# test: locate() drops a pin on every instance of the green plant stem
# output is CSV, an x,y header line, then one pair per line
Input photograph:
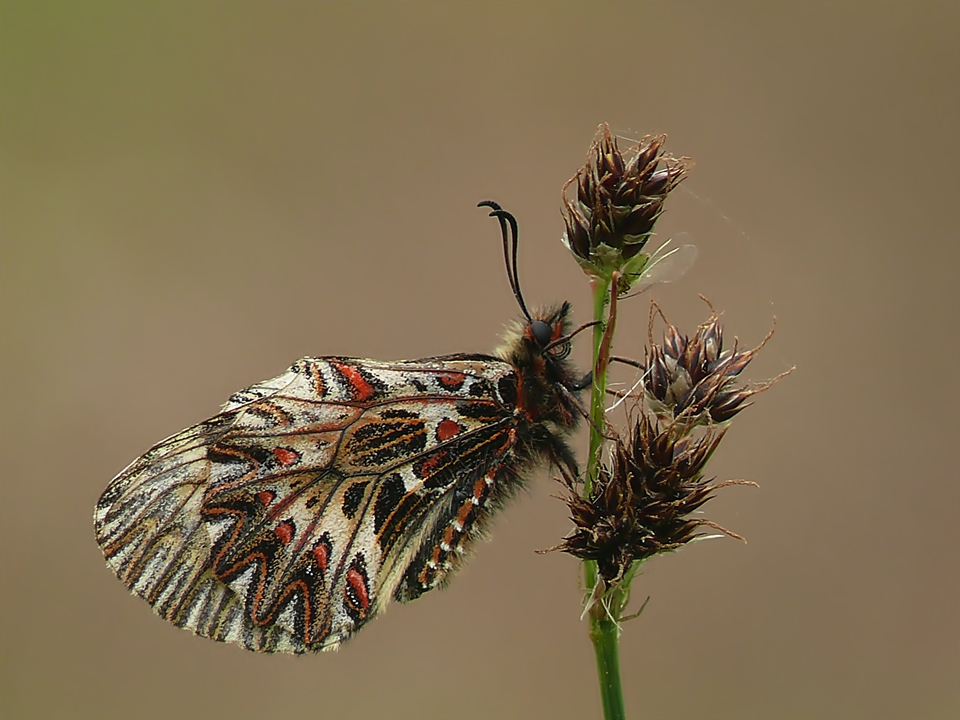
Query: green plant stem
x,y
605,635
604,631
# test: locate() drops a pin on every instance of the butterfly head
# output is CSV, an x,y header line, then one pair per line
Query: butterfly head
x,y
544,336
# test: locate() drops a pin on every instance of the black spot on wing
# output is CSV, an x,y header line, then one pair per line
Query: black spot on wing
x,y
388,498
352,498
398,413
485,411
405,520
226,452
480,388
507,387
378,443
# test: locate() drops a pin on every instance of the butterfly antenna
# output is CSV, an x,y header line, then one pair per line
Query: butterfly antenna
x,y
510,245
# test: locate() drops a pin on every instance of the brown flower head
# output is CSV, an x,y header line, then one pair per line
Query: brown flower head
x,y
617,203
641,503
694,378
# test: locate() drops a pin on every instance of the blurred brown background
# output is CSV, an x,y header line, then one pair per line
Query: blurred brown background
x,y
196,194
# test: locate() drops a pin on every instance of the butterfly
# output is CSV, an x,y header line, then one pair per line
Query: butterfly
x,y
292,517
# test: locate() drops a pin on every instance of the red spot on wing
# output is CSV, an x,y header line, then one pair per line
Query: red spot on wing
x,y
285,456
358,583
284,531
362,390
452,380
321,553
265,497
447,429
431,463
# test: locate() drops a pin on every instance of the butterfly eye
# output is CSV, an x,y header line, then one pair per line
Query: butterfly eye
x,y
541,332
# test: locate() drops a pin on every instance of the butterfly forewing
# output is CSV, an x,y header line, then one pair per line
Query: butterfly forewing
x,y
291,518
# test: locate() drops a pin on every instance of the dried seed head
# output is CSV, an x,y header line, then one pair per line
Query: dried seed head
x,y
617,203
643,500
694,378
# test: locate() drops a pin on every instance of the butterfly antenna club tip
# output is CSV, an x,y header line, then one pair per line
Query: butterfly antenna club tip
x,y
510,234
